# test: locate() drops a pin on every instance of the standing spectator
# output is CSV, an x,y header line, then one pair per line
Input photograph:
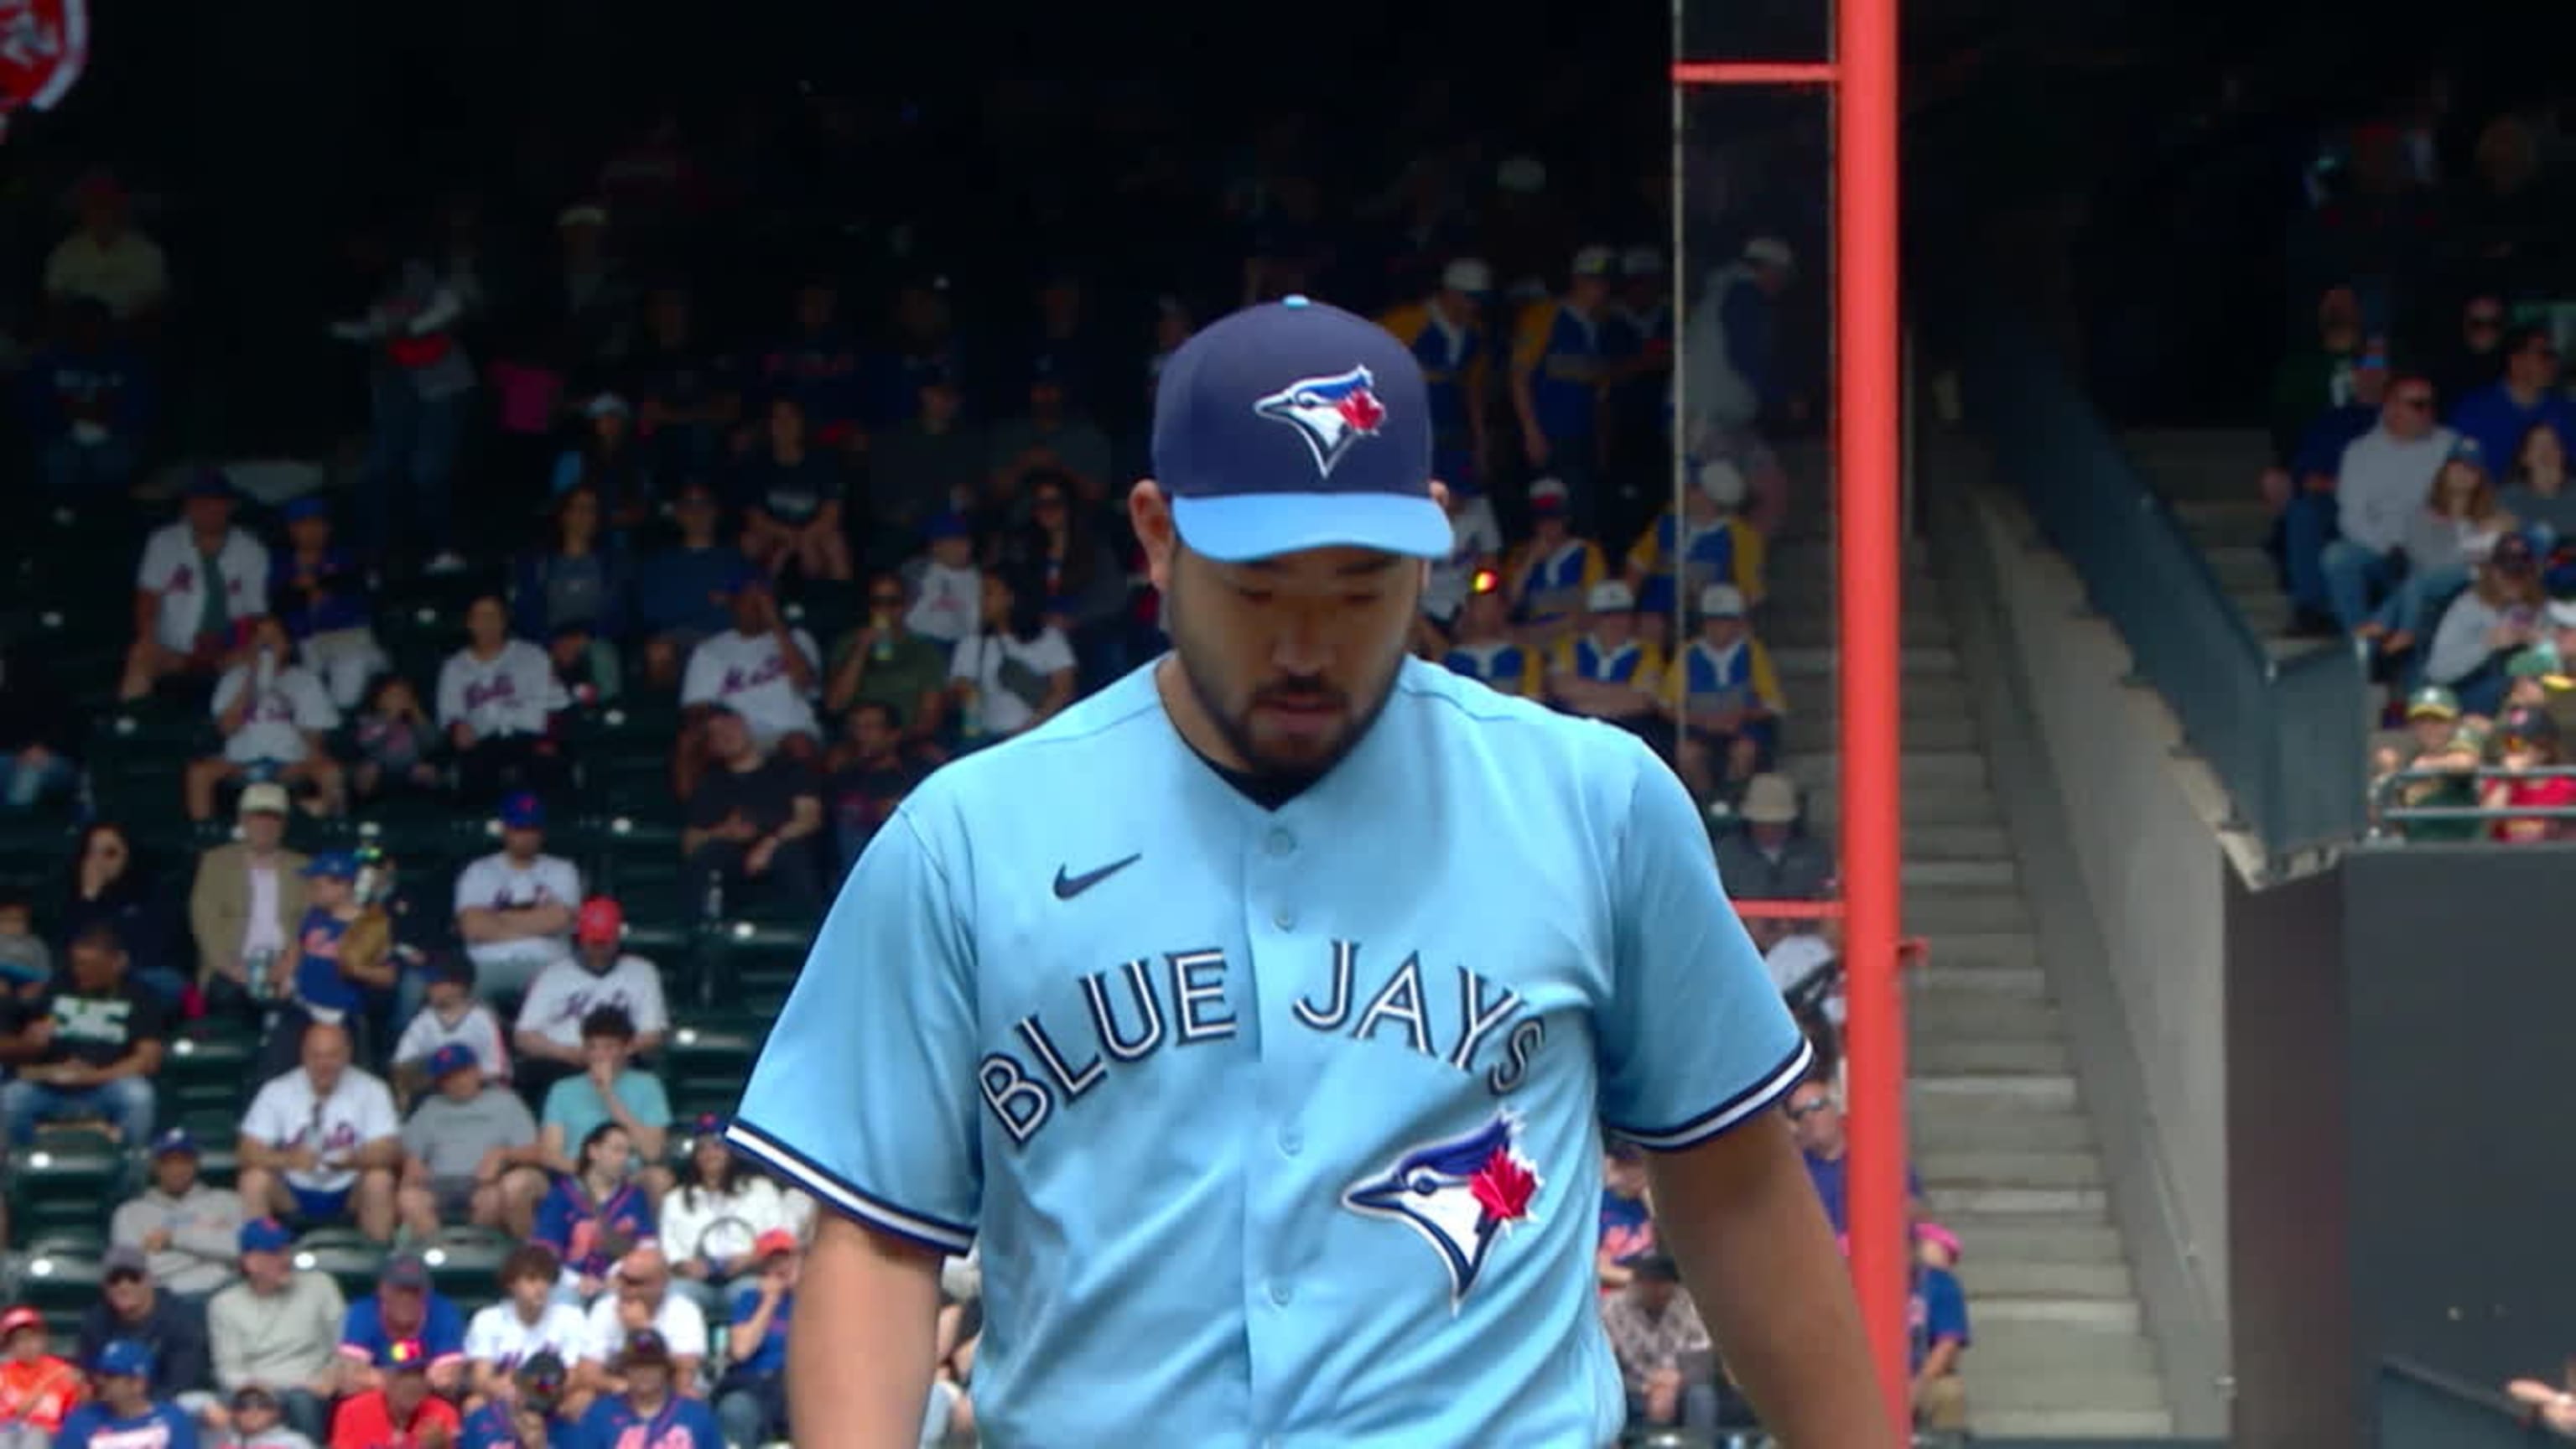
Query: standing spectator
x,y
400,748
87,402
1052,437
2536,492
2526,397
1733,379
679,592
753,820
278,1329
600,973
594,1215
401,1411
450,1016
37,733
1549,577
1607,673
921,469
315,979
573,594
200,578
866,776
403,1309
685,397
321,595
1559,362
764,671
1015,672
129,1409
1446,333
2496,617
497,699
37,1390
613,464
883,662
713,1223
172,1334
88,1047
643,1307
258,1421
1666,1360
529,1322
419,380
610,1091
322,1142
1771,859
514,907
948,598
273,714
110,886
246,900
751,1398
1730,697
108,260
470,1153
794,496
2380,483
188,1230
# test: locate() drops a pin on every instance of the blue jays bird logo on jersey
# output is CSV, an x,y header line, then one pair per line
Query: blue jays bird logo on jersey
x,y
1330,413
1459,1194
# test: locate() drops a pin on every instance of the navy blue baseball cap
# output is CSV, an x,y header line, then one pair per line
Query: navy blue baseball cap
x,y
1295,425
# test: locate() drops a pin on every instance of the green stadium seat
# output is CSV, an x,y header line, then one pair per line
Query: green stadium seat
x,y
750,966
205,1078
67,1181
705,1064
466,1262
61,1286
351,1258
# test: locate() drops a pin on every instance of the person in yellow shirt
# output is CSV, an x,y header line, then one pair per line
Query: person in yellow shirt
x,y
1483,648
1560,363
1605,671
1446,333
1709,542
1548,577
1729,695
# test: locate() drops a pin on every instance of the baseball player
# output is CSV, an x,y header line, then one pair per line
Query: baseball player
x,y
1262,1014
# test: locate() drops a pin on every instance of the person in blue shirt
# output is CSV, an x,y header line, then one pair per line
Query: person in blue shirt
x,y
319,588
2526,397
125,1415
535,1412
1816,1120
324,987
677,591
403,1308
594,1216
1937,1332
751,1399
652,1413
87,402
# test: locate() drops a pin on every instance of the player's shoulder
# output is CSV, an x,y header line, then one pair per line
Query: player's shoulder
x,y
1466,724
1089,744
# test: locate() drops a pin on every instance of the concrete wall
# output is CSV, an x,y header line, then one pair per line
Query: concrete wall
x,y
2125,871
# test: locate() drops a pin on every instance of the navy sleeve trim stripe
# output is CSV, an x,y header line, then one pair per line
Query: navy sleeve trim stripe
x,y
1773,1085
851,1202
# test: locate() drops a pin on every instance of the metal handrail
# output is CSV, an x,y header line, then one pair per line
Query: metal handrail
x,y
2389,813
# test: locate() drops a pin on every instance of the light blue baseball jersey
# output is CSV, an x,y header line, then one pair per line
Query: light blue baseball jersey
x,y
1276,1127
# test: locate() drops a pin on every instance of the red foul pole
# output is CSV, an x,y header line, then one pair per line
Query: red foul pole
x,y
1868,371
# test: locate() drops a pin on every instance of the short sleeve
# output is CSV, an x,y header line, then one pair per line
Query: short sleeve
x,y
153,569
703,678
483,1335
415,1137
652,1013
1694,1038
687,1331
864,1095
646,1099
262,1122
228,689
1051,653
377,1118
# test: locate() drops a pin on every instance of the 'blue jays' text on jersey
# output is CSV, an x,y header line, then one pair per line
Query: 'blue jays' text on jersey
x,y
1277,1127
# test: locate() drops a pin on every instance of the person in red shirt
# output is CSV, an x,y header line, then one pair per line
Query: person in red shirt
x,y
403,1414
2527,739
36,1388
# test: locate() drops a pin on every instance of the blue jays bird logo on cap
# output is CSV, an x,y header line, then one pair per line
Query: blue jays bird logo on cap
x,y
1330,413
1459,1193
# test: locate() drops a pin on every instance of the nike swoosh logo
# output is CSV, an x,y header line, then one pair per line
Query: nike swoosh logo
x,y
1069,886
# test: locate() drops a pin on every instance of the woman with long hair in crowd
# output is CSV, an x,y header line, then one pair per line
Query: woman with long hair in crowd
x,y
1083,588
595,1214
2454,530
2495,618
711,1221
573,594
108,885
1015,672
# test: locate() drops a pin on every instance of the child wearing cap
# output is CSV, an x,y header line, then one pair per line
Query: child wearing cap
x,y
948,598
37,1388
1709,541
259,1422
449,1015
1730,698
1552,573
125,1412
320,984
273,714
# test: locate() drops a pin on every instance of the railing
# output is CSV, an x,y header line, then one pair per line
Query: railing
x,y
2420,1408
2287,738
2388,813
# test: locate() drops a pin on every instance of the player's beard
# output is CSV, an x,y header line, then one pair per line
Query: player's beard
x,y
1233,720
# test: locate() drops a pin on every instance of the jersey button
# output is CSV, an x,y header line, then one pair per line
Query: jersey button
x,y
1279,1293
1290,1143
1281,842
1286,920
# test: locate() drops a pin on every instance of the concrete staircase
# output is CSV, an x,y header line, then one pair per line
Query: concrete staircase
x,y
2212,477
2006,1151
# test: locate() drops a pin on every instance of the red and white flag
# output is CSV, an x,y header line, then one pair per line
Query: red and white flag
x,y
43,46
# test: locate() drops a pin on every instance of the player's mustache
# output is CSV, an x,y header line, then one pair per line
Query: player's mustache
x,y
1299,694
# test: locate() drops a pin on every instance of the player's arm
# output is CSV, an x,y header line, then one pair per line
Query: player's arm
x,y
1529,349
1696,1089
860,1362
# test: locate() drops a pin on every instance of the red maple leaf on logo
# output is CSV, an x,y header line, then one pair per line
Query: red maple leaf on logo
x,y
1362,411
1503,1187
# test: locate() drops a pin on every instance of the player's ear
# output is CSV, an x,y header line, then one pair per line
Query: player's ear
x,y
1149,513
1440,494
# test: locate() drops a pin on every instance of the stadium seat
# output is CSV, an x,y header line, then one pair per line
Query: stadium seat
x,y
750,966
67,1181
61,1286
705,1064
351,1258
207,1069
465,1262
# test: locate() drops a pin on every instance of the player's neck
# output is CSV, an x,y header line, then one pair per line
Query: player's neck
x,y
1181,706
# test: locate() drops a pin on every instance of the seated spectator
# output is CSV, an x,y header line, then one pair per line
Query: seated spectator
x,y
679,592
200,578
612,464
278,1329
751,1398
1015,672
600,973
514,907
594,1215
2380,482
322,1143
1939,1318
763,671
753,820
685,397
497,699
867,775
87,401
2526,397
643,1307
1730,697
1627,1223
1075,573
1666,1360
470,1153
1604,671
1475,552
246,901
816,363
793,494
2301,494
1482,647
171,1333
1053,437
1816,1120
392,935
2535,485
26,962
273,714
403,1309
258,1421
129,1407
188,1230
315,981
111,886
711,1225
920,469
108,259
37,760
2499,615
530,1322
1770,858
2453,532
85,1048
2527,739
573,595
37,1390
1550,578
401,1409
610,1089
321,595
655,1387
2444,753
1708,543
400,748
948,597
883,662
530,1408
